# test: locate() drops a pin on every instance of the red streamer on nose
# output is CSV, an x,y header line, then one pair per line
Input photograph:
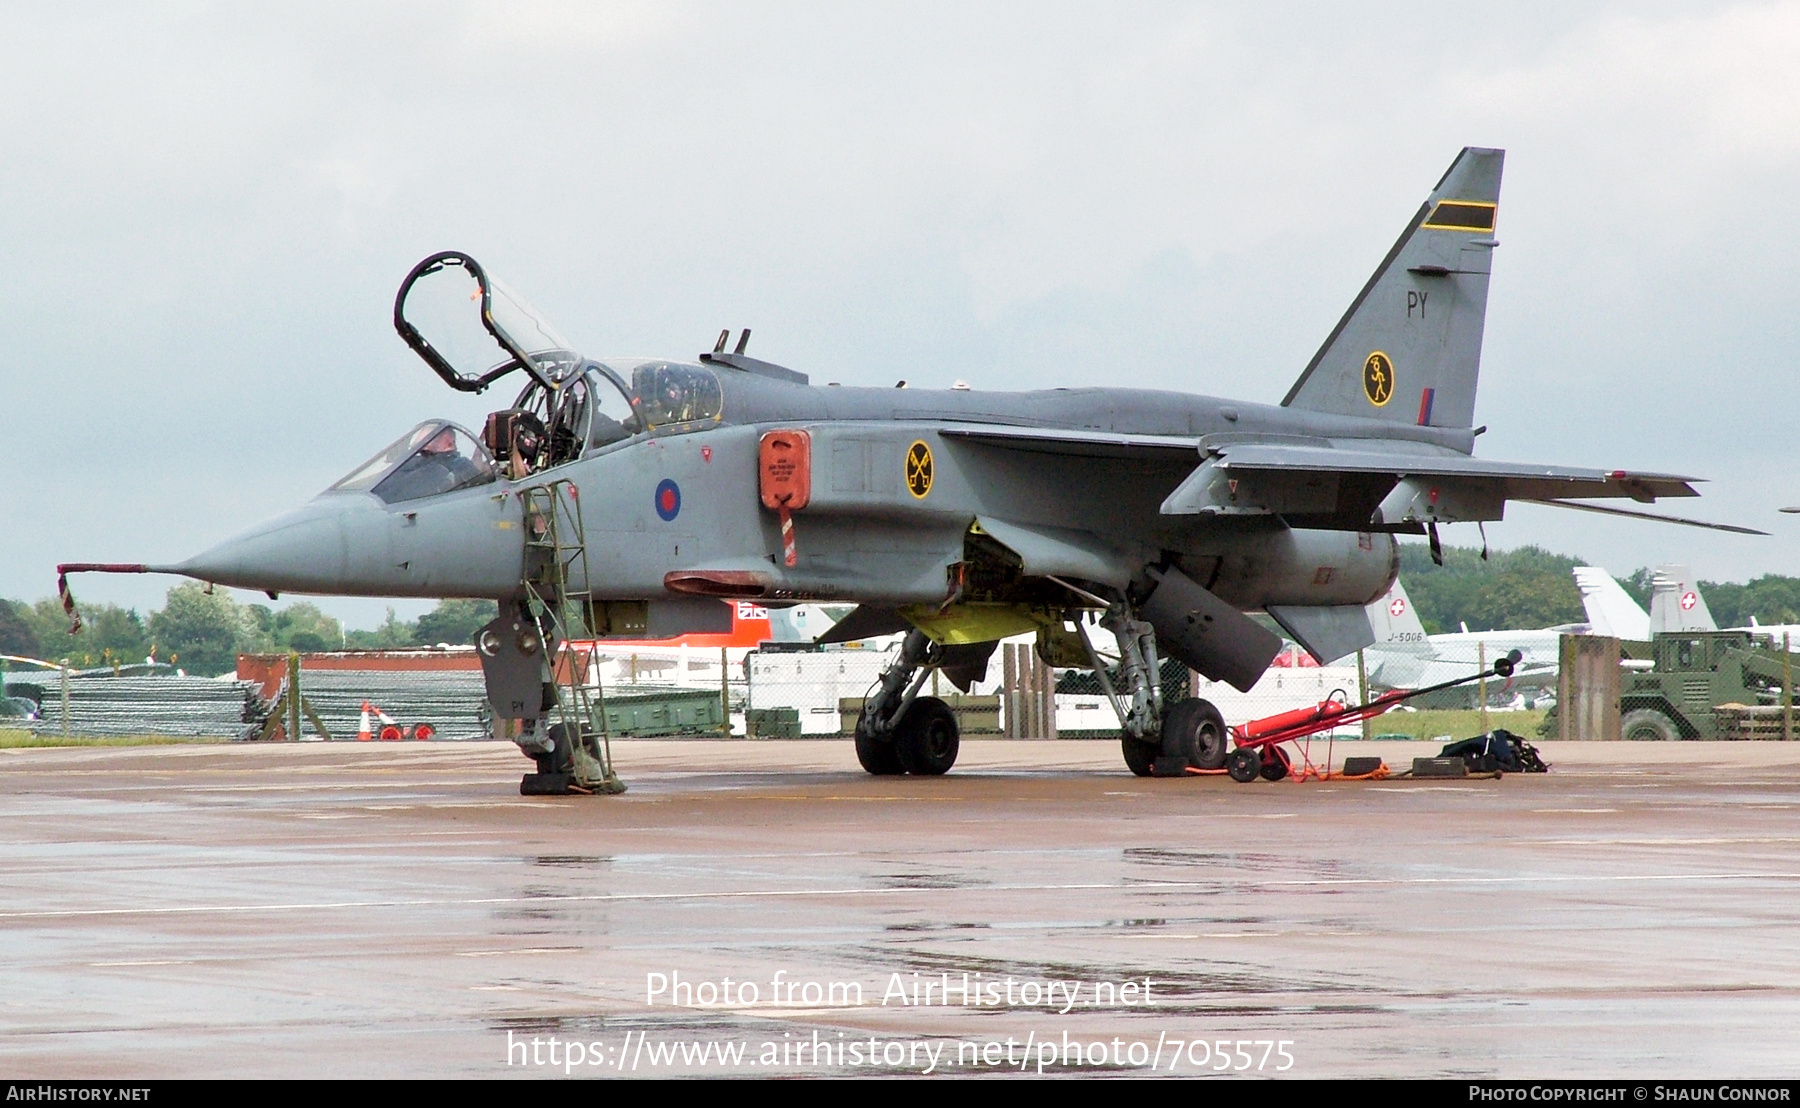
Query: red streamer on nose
x,y
68,598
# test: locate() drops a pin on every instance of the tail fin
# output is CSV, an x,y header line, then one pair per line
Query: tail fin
x,y
1676,603
1409,348
1393,618
1610,609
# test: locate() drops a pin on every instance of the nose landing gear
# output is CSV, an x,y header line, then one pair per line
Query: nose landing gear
x,y
900,731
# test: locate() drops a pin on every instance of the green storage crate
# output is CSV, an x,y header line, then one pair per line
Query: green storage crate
x,y
772,723
671,712
975,715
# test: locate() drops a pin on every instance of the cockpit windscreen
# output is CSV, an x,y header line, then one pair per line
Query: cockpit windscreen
x,y
668,394
434,457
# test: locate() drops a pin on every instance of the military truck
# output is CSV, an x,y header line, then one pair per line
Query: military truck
x,y
1697,680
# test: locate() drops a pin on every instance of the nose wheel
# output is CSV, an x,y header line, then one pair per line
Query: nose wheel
x,y
878,755
927,739
900,731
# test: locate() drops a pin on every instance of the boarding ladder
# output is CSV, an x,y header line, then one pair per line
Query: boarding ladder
x,y
559,599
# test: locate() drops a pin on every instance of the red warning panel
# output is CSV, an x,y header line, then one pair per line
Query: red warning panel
x,y
784,463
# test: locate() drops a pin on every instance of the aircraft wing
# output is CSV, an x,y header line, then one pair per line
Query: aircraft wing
x,y
1516,480
1520,481
1397,488
1313,482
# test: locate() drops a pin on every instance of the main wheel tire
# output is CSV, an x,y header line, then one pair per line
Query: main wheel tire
x,y
926,739
1140,756
1244,764
1194,729
878,756
1649,725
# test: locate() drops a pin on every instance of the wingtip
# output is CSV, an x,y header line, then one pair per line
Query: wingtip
x,y
1651,516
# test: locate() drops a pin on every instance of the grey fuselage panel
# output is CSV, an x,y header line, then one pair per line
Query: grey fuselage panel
x,y
757,400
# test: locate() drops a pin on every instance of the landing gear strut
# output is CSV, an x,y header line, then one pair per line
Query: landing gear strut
x,y
1156,742
900,731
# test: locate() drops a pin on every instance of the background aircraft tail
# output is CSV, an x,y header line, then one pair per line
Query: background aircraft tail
x,y
1676,603
1393,618
1610,609
1409,348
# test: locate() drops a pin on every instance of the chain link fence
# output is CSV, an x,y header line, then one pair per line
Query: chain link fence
x,y
657,692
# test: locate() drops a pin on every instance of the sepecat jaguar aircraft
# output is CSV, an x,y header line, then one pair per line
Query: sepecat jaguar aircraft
x,y
627,498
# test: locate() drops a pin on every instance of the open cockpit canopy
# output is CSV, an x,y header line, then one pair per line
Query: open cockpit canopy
x,y
472,330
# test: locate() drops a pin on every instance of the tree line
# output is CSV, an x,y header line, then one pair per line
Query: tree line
x,y
1530,588
203,632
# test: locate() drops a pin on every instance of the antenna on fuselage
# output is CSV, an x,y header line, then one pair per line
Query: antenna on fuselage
x,y
724,337
743,341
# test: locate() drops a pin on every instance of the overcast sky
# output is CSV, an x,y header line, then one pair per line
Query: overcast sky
x,y
205,211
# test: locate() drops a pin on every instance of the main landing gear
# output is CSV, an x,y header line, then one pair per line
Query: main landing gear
x,y
1157,740
900,731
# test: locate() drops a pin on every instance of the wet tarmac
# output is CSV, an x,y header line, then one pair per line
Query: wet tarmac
x,y
385,910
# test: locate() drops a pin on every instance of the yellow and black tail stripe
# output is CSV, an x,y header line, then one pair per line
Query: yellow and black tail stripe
x,y
1462,215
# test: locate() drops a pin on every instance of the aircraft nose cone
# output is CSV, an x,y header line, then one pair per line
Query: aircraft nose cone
x,y
305,550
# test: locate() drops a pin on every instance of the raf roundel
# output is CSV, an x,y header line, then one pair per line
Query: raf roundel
x,y
1378,378
668,500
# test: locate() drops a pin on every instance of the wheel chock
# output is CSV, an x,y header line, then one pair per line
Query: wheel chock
x,y
1169,765
546,784
1440,767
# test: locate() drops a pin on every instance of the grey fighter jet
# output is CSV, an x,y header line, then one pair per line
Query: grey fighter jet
x,y
626,498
